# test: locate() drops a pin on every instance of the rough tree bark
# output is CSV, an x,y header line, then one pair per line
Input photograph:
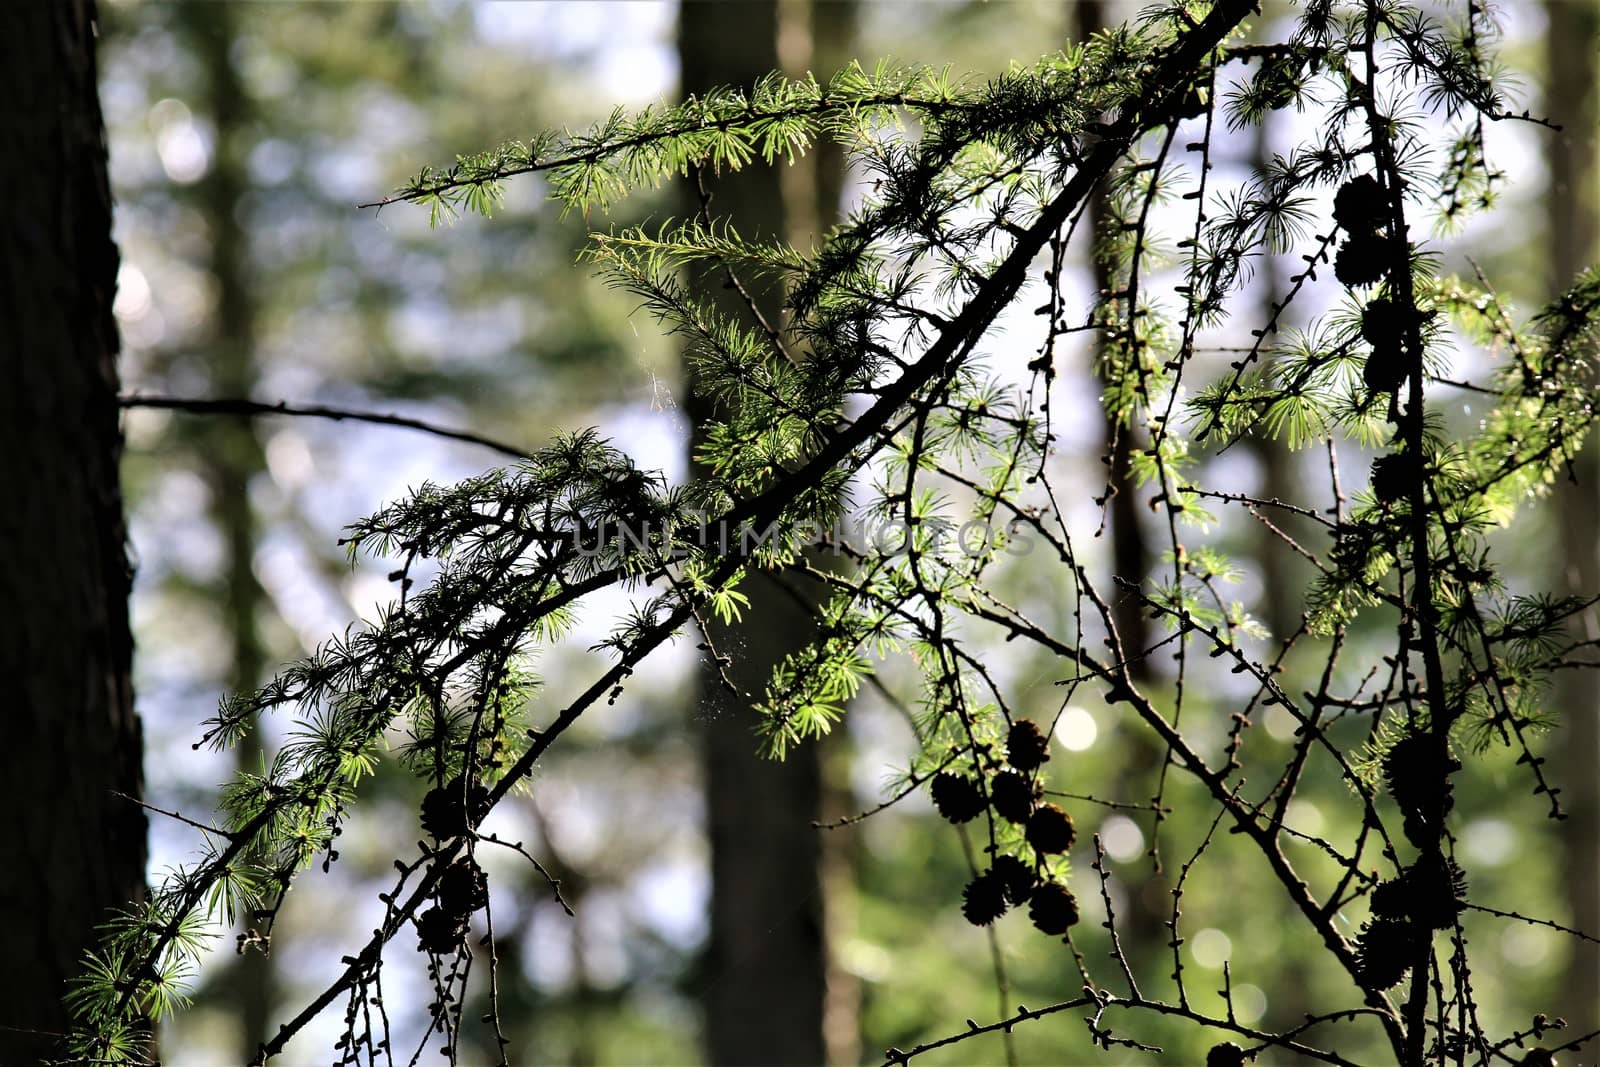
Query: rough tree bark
x,y
75,849
766,967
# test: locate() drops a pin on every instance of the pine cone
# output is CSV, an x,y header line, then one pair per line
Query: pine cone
x,y
1012,795
1384,370
1430,893
444,815
1382,323
440,932
1392,476
1017,878
1359,206
957,797
463,889
1362,259
1410,770
1385,949
984,899
1050,830
1226,1054
1026,747
1053,908
1419,830
1392,899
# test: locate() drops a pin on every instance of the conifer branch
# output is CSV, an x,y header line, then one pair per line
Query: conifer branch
x,y
872,385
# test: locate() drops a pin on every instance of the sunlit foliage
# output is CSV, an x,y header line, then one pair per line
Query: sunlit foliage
x,y
887,401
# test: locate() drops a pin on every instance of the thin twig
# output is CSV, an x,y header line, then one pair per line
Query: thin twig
x,y
174,815
253,408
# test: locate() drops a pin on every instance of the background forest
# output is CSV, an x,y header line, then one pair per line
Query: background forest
x,y
242,137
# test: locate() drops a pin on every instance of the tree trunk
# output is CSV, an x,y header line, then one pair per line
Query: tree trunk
x,y
1282,582
76,850
230,451
766,968
1143,758
819,36
1130,552
1574,229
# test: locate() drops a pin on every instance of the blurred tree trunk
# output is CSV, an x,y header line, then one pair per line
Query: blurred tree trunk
x,y
1143,758
230,452
1282,584
75,849
1130,553
765,991
819,36
1574,241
